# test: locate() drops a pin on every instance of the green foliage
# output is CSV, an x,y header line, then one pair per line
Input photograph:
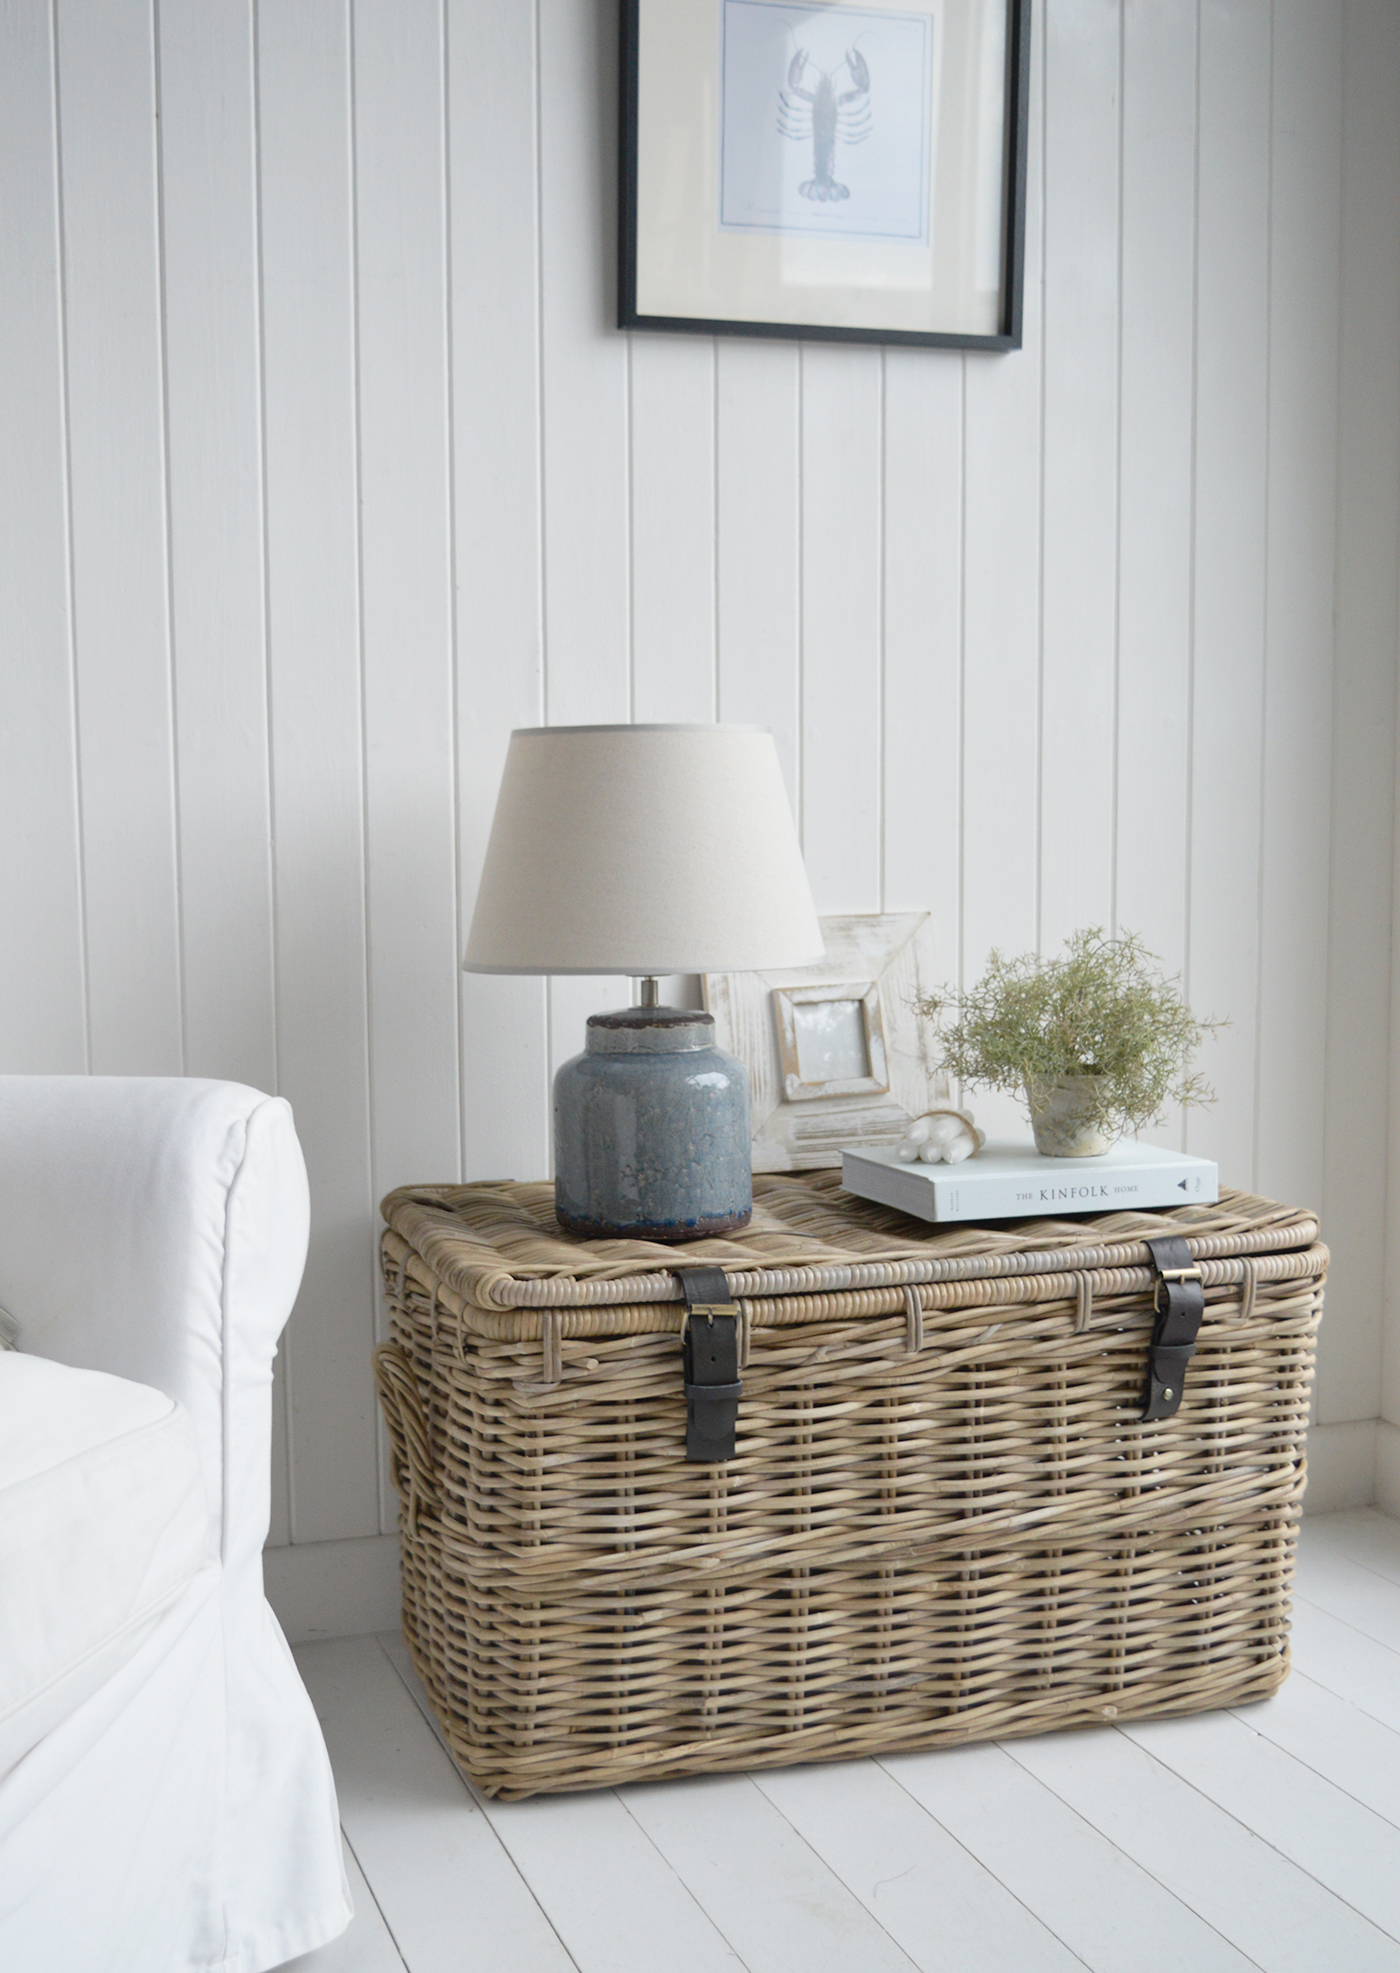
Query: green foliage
x,y
1103,1012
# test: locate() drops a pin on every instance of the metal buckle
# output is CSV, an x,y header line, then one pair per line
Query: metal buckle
x,y
709,1310
1167,1275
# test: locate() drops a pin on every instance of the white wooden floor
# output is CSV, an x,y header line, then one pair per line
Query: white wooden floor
x,y
1268,1837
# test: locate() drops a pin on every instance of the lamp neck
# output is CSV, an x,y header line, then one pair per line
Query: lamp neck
x,y
651,991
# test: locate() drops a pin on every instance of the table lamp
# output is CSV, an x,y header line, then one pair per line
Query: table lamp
x,y
644,850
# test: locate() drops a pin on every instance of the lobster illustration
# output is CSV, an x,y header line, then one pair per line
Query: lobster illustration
x,y
825,113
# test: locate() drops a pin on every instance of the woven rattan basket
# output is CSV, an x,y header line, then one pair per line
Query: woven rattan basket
x,y
944,1521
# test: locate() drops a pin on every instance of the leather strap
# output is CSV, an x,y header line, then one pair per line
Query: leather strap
x,y
710,1350
1180,1301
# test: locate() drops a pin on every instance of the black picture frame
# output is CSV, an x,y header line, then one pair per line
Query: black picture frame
x,y
1012,218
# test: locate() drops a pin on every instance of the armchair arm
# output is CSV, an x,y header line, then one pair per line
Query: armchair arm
x,y
156,1227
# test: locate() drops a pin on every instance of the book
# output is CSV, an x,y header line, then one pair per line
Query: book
x,y
1013,1181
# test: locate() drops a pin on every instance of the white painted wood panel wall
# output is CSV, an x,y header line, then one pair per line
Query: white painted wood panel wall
x,y
323,468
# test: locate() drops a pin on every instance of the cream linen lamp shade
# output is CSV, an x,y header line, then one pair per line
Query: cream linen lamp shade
x,y
642,850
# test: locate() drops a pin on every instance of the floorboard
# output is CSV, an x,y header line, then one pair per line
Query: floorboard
x,y
767,1890
1366,1535
942,1905
1347,1663
1358,1595
1335,1739
1274,1913
1348,1848
608,1892
1105,1907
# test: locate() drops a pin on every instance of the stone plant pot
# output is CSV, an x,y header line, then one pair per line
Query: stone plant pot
x,y
1062,1118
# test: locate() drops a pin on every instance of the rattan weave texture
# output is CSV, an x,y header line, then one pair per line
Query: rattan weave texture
x,y
944,1520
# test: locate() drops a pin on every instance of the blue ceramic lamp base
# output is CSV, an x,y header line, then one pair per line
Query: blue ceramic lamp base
x,y
651,1130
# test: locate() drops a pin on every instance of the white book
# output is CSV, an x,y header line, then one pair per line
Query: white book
x,y
1013,1181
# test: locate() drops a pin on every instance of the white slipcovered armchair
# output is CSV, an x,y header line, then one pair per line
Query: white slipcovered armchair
x,y
165,1797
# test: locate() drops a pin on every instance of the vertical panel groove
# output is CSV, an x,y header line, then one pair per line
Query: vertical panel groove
x,y
372,1275
1330,1119
69,546
1188,942
264,572
881,604
800,792
454,626
714,523
539,382
542,414
371,1203
284,1368
629,496
960,956
1038,851
357,483
162,317
1390,1356
1115,725
1265,575
546,616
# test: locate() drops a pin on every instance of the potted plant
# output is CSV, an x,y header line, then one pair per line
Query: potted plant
x,y
1097,1041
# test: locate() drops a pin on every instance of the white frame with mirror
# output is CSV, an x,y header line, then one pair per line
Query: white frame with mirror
x,y
803,1116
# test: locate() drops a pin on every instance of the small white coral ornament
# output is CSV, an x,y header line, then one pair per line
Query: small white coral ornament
x,y
941,1137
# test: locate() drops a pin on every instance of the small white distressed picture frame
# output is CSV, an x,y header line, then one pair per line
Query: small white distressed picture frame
x,y
831,1041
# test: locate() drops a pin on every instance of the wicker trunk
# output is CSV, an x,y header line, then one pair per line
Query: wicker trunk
x,y
944,1520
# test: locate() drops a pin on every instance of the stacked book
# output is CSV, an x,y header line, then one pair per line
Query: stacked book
x,y
1013,1181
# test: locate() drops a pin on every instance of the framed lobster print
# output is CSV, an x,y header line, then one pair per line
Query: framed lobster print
x,y
850,170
